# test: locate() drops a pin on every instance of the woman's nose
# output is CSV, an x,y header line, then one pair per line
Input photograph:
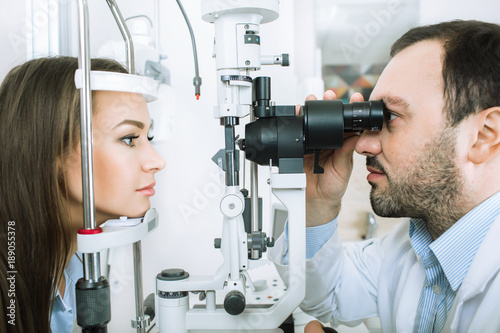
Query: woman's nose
x,y
153,161
368,144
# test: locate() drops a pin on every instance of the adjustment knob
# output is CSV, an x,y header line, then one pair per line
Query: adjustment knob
x,y
173,274
234,302
285,62
217,243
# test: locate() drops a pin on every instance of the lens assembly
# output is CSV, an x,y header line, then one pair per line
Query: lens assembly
x,y
281,138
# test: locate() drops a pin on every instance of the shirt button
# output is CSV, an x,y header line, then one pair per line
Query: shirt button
x,y
436,289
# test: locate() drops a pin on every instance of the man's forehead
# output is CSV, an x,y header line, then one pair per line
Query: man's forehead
x,y
421,60
414,72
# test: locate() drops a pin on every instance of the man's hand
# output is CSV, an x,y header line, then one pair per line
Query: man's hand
x,y
324,192
316,327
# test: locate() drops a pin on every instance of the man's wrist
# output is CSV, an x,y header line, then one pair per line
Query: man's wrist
x,y
319,214
318,236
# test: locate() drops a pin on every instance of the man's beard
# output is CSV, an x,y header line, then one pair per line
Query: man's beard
x,y
431,188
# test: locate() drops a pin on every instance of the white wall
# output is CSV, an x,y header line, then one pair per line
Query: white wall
x,y
13,35
432,11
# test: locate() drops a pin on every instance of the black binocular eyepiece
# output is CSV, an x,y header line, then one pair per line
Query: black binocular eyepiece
x,y
281,138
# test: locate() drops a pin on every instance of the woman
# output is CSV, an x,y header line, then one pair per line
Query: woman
x,y
40,183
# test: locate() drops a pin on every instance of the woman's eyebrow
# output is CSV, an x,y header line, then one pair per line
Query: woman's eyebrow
x,y
136,123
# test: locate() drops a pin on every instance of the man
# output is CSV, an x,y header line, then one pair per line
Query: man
x,y
437,161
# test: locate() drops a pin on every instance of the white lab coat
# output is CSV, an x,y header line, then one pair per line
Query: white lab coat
x,y
384,277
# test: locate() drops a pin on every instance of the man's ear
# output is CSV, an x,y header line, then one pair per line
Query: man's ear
x,y
487,142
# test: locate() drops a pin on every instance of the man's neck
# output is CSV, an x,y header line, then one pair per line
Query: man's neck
x,y
439,222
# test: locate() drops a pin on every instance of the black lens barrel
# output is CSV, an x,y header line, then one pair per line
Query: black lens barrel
x,y
323,124
360,116
326,121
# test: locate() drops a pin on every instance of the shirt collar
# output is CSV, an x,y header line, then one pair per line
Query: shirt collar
x,y
72,272
421,240
74,269
455,249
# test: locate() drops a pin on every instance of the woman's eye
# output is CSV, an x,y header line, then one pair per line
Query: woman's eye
x,y
151,137
129,140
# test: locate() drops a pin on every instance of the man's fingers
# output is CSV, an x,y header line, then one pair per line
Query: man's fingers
x,y
311,97
297,109
357,97
329,94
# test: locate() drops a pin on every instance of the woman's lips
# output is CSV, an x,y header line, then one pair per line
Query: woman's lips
x,y
148,190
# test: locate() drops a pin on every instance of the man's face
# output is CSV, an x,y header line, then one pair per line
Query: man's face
x,y
428,187
412,160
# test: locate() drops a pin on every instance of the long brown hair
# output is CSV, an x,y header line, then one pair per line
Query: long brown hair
x,y
39,128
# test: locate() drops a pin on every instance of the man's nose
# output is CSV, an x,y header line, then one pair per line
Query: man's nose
x,y
368,144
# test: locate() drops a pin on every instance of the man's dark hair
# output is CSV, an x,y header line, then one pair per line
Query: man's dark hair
x,y
471,64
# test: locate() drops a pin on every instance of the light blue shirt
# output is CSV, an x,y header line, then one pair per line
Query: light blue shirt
x,y
446,260
316,237
63,312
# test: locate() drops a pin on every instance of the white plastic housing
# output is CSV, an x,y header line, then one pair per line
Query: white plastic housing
x,y
118,236
290,190
112,81
168,314
235,24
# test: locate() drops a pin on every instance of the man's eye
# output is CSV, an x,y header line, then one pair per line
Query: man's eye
x,y
389,116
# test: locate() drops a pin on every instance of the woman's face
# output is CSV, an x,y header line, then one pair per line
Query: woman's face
x,y
124,160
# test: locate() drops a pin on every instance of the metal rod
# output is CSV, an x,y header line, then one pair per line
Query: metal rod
x,y
139,308
129,45
91,269
254,198
254,204
231,172
91,264
243,164
86,120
